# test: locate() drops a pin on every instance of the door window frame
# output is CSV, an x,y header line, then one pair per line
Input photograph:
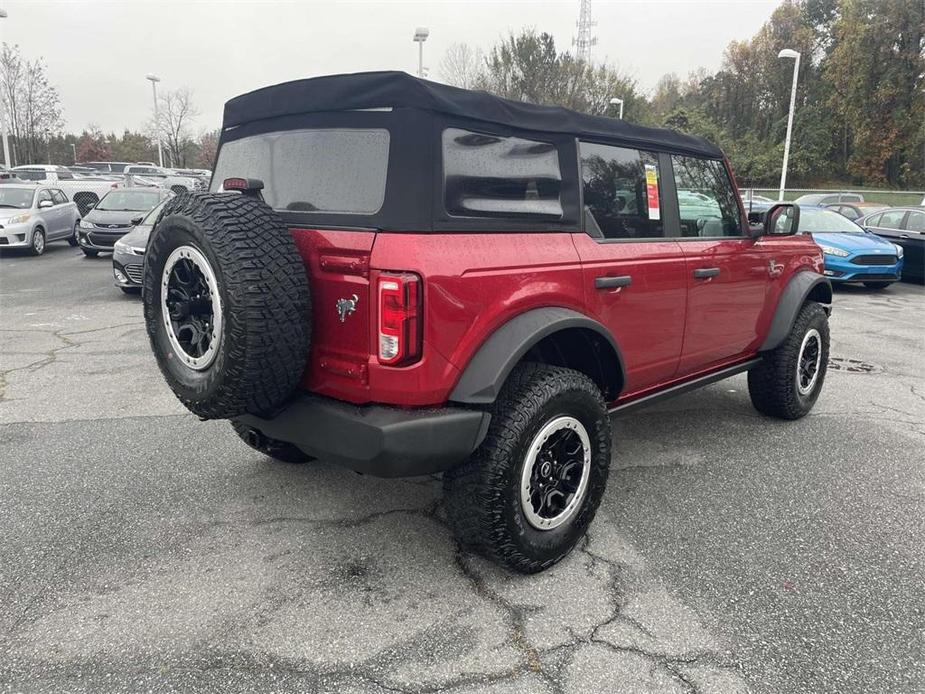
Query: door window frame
x,y
737,199
667,194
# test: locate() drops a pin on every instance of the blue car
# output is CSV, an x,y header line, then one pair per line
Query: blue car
x,y
851,254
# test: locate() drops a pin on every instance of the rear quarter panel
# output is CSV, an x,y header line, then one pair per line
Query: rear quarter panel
x,y
473,284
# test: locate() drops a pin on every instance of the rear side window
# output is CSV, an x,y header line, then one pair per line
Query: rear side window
x,y
706,200
58,197
915,221
493,176
620,188
341,171
891,220
27,175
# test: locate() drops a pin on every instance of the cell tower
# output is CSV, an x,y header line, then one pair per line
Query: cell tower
x,y
585,40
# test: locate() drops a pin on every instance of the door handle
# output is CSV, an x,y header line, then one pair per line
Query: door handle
x,y
705,273
613,282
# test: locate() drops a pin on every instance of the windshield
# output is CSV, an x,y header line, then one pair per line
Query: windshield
x,y
815,221
16,197
340,171
129,201
151,217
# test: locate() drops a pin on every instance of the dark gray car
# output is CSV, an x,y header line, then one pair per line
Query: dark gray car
x,y
115,215
128,255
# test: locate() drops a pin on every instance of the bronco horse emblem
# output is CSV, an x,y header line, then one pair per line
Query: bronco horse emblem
x,y
346,306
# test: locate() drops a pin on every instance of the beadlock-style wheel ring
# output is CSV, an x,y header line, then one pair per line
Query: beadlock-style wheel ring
x,y
554,480
808,362
191,307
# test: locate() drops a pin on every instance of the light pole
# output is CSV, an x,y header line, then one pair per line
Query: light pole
x,y
154,79
789,53
74,151
420,36
614,101
6,140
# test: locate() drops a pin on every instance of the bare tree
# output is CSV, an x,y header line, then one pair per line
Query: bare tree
x,y
31,105
462,66
207,148
176,113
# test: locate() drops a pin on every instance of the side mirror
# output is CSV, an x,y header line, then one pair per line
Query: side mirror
x,y
782,219
44,204
136,221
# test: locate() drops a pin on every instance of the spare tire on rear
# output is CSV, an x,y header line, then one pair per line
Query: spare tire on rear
x,y
226,304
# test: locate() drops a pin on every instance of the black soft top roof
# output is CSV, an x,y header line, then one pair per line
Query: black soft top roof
x,y
369,90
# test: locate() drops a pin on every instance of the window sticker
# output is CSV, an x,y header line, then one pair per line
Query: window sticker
x,y
652,190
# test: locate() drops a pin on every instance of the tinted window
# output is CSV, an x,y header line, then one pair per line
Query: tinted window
x,y
621,192
915,221
706,200
64,175
31,175
339,171
58,197
494,176
891,219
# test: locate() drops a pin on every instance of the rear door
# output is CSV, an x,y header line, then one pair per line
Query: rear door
x,y
730,277
633,273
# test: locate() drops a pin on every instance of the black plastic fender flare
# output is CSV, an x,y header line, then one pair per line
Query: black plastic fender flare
x,y
487,371
795,294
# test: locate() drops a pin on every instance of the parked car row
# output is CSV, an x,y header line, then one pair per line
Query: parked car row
x,y
876,250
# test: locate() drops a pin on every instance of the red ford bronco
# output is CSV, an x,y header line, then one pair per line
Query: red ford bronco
x,y
408,278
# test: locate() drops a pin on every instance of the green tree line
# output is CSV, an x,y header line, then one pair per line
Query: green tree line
x,y
860,110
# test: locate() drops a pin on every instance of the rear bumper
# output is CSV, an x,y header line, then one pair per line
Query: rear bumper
x,y
375,439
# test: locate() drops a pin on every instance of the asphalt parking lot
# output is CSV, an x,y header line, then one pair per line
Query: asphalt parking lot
x,y
143,550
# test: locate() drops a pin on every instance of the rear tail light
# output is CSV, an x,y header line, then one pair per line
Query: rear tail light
x,y
400,319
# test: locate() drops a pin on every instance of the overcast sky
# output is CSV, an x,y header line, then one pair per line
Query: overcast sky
x,y
98,52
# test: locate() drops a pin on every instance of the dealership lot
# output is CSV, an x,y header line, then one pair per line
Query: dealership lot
x,y
145,550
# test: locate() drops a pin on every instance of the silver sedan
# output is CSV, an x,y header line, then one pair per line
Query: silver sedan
x,y
32,216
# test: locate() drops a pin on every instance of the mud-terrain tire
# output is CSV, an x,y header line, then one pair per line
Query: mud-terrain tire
x,y
278,450
775,385
237,249
486,497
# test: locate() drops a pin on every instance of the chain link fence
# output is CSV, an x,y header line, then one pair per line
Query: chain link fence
x,y
890,198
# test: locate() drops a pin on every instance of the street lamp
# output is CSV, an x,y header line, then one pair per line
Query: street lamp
x,y
420,36
74,151
614,101
6,140
154,79
789,53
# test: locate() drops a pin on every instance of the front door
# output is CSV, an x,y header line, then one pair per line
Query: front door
x,y
633,274
729,276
